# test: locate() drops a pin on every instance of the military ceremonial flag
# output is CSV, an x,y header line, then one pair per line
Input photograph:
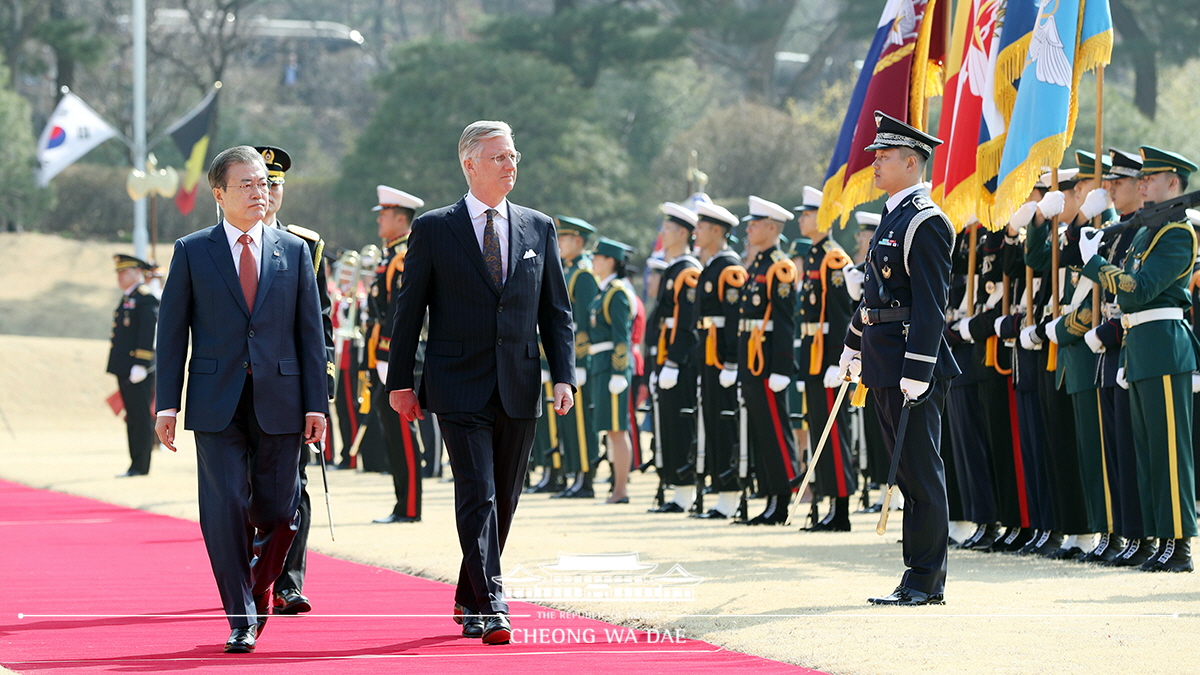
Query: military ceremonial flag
x,y
956,184
1069,38
993,121
71,132
191,136
901,70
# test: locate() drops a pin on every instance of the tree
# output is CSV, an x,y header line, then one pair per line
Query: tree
x,y
21,201
1151,31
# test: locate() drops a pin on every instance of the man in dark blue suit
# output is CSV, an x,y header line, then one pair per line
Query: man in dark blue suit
x,y
489,273
246,296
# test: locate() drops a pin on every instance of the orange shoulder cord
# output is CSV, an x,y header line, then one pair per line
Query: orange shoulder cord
x,y
733,276
689,278
785,272
835,259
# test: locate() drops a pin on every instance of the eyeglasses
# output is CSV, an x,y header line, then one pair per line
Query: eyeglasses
x,y
500,159
260,187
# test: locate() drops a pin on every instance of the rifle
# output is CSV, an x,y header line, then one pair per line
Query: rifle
x,y
1154,215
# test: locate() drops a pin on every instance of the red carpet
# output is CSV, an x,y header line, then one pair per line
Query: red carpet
x,y
89,587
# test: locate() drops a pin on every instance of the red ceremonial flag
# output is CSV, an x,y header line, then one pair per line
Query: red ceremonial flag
x,y
191,136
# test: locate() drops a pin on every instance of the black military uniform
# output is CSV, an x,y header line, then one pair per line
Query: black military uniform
x,y
579,443
133,327
899,330
766,325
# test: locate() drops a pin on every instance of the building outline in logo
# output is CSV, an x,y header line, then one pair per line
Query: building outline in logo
x,y
600,577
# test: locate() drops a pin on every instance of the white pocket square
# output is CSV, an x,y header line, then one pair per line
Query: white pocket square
x,y
529,254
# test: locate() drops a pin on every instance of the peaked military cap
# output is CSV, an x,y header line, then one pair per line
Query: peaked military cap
x,y
1157,161
680,215
579,226
1070,176
867,220
761,208
1086,162
125,262
716,214
812,200
391,198
892,133
613,249
278,161
1124,165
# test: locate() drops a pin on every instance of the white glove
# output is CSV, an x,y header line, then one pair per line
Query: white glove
x,y
1195,383
1022,217
617,384
1121,381
800,386
138,373
381,368
1052,204
997,324
1094,204
545,376
854,282
668,377
1093,342
832,381
778,382
1029,338
1052,330
728,376
849,364
963,328
913,388
580,377
1089,242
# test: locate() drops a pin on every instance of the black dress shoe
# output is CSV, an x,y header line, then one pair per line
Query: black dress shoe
x,y
497,630
1174,555
1073,553
1137,551
1030,546
1097,553
909,597
1116,545
130,473
581,493
241,640
711,514
291,601
667,507
622,500
1052,543
393,518
874,508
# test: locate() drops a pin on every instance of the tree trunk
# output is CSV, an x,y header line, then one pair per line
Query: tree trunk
x,y
1143,54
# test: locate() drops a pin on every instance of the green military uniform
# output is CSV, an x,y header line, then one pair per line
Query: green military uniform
x,y
798,251
1158,357
610,325
577,438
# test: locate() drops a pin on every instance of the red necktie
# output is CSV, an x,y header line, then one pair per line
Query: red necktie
x,y
247,273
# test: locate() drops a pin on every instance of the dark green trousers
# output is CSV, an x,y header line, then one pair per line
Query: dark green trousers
x,y
1089,442
1162,435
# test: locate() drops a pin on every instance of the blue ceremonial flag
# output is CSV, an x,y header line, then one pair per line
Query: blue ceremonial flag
x,y
1069,37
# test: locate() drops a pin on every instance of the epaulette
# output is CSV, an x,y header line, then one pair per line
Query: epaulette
x,y
777,255
303,233
142,290
922,202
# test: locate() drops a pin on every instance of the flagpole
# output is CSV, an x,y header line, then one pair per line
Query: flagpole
x,y
1099,170
140,234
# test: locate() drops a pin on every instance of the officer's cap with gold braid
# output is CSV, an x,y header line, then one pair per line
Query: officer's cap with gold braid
x,y
1087,165
812,200
126,262
278,161
1157,161
613,249
761,208
680,215
391,198
579,226
1123,165
716,214
892,133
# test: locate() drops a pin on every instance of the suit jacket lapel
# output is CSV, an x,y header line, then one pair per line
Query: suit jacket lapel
x,y
271,256
518,221
222,257
460,225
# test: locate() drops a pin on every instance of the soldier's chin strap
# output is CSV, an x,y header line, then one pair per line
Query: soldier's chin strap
x,y
785,271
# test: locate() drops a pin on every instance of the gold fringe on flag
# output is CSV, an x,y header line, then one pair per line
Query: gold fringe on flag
x,y
924,72
1014,190
831,194
1010,63
860,189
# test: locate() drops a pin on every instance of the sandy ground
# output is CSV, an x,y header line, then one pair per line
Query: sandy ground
x,y
775,592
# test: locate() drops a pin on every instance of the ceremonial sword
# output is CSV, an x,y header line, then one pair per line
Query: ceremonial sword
x,y
319,448
901,431
812,463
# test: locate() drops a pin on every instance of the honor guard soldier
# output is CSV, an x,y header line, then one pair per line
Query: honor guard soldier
x,y
673,382
394,216
766,325
610,368
717,357
578,441
825,309
1159,356
131,358
288,597
896,341
797,251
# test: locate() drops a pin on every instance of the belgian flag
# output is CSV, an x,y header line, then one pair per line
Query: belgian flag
x,y
191,136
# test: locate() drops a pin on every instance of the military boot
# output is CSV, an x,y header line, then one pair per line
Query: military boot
x,y
1174,555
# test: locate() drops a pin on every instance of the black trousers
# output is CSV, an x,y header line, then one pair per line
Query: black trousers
x,y
674,433
139,422
489,454
346,404
296,562
249,495
1008,485
922,480
404,456
1062,455
720,431
1033,460
836,471
1121,459
970,448
771,441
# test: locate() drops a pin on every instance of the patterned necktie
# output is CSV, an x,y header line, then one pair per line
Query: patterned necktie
x,y
247,273
491,250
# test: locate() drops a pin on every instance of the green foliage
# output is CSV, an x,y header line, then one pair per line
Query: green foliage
x,y
21,201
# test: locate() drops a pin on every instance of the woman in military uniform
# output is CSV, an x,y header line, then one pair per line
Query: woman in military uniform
x,y
610,321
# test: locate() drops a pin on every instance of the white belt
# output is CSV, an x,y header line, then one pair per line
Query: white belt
x,y
669,322
1112,310
746,325
600,347
811,328
1146,316
706,321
